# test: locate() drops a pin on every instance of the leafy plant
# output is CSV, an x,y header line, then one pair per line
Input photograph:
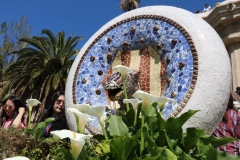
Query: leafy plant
x,y
37,130
163,139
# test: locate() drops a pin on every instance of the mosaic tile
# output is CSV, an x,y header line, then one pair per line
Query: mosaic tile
x,y
180,78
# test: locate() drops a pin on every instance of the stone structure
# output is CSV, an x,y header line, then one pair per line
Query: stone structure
x,y
225,19
156,40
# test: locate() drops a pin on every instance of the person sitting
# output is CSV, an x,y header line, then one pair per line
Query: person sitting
x,y
56,110
12,113
207,8
229,127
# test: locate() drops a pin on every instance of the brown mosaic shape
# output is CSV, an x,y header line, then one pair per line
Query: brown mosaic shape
x,y
168,60
90,103
144,68
173,94
92,58
125,44
109,40
133,29
142,40
174,42
84,80
126,58
104,81
158,46
181,64
163,75
155,28
109,56
98,92
100,72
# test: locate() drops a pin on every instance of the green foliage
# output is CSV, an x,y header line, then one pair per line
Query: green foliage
x,y
38,129
34,154
163,139
15,142
42,67
116,126
10,33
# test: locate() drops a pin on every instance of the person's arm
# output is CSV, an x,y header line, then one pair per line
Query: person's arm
x,y
237,128
18,120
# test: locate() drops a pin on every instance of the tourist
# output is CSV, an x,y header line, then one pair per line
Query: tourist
x,y
230,126
12,113
56,110
198,11
207,8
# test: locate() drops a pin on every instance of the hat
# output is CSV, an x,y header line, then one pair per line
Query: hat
x,y
236,94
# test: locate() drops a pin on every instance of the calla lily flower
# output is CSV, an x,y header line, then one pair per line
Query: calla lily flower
x,y
31,103
97,111
81,118
17,158
145,97
163,100
77,140
133,101
81,107
122,69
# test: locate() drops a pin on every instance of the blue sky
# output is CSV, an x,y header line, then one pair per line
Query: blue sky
x,y
82,18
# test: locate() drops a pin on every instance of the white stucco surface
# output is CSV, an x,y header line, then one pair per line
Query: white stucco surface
x,y
212,89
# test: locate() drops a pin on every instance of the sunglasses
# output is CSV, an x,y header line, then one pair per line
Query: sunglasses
x,y
8,106
59,101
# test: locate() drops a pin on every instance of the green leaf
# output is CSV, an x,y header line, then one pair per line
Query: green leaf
x,y
174,125
150,111
49,120
67,153
163,153
226,156
162,124
206,151
103,147
39,128
172,144
185,156
216,142
136,136
158,153
149,139
191,138
121,147
116,126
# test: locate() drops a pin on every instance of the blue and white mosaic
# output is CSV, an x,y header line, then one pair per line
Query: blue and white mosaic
x,y
181,52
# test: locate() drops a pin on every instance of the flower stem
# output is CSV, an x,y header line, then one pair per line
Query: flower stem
x,y
104,131
135,118
125,91
29,118
142,138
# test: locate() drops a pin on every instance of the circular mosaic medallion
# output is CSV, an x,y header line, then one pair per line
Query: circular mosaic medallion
x,y
175,52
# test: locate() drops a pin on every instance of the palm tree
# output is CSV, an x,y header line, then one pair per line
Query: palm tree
x,y
128,5
42,67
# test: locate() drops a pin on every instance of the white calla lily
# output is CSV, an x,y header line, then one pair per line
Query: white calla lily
x,y
97,111
133,101
77,140
17,158
122,69
81,118
163,100
31,103
145,97
81,107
